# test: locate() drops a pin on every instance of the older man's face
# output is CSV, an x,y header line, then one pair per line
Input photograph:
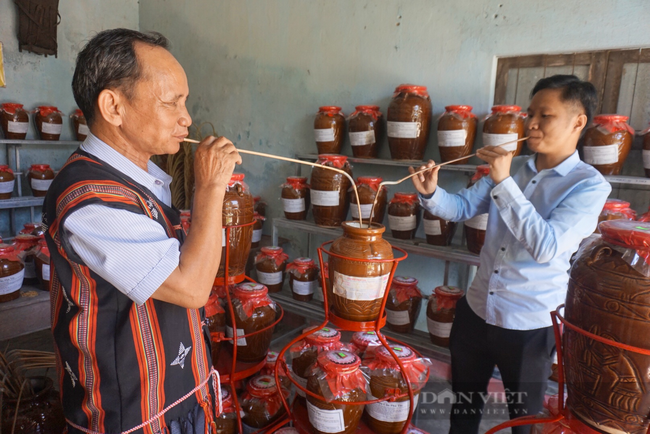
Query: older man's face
x,y
156,120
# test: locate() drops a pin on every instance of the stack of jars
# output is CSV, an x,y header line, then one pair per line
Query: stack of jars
x,y
48,120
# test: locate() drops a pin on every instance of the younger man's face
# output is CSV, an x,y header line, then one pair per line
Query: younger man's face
x,y
553,124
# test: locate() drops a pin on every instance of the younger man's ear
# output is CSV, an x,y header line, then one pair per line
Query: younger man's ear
x,y
581,122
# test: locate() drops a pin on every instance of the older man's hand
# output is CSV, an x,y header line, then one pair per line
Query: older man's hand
x,y
214,162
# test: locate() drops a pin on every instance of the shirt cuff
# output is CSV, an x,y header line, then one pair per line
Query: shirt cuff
x,y
433,200
158,274
506,193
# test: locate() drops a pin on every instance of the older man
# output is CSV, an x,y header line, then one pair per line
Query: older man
x,y
128,286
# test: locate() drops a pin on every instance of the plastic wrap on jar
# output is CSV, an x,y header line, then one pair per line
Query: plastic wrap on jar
x,y
338,374
631,239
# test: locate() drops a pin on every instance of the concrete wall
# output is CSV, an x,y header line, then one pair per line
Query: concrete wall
x,y
35,80
259,69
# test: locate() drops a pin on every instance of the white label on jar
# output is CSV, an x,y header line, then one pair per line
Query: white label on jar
x,y
391,411
325,198
11,283
241,342
294,205
365,210
329,421
324,134
30,269
83,130
7,187
46,272
40,184
432,227
304,288
440,329
478,222
359,288
362,138
646,159
302,382
607,154
257,235
269,278
497,139
403,130
451,138
398,317
398,223
17,127
51,128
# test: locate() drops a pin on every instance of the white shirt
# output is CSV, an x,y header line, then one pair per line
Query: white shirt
x,y
536,221
130,251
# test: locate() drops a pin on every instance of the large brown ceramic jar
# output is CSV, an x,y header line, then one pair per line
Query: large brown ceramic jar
x,y
456,133
226,422
303,354
270,264
40,177
303,278
39,410
7,182
329,190
257,230
440,313
336,377
254,311
616,209
356,288
408,122
237,210
503,125
387,379
403,304
609,296
439,231
607,142
329,127
79,125
365,343
295,198
368,188
262,404
12,273
404,215
14,121
646,152
215,319
476,226
364,126
49,122
42,263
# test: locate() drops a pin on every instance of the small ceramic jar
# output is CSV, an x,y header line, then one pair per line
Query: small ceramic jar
x,y
14,121
329,126
40,177
456,133
79,125
295,198
7,182
439,232
262,404
404,215
303,278
49,122
364,126
12,273
440,313
257,230
369,190
403,304
505,124
270,264
607,143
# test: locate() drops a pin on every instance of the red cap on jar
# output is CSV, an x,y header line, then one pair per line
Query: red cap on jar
x,y
213,307
5,168
616,205
338,362
458,108
372,110
369,180
271,250
323,336
606,118
287,430
274,252
447,296
412,88
42,247
331,110
226,401
405,288
628,234
336,160
249,289
506,109
403,353
302,265
236,177
186,213
11,107
416,368
78,113
7,251
262,386
297,181
363,339
39,167
271,358
613,123
47,109
405,197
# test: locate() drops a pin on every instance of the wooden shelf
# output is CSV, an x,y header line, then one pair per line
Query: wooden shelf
x,y
21,202
24,315
40,142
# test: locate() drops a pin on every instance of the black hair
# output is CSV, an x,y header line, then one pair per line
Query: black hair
x,y
573,90
109,61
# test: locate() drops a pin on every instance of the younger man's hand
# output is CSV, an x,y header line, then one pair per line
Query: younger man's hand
x,y
499,160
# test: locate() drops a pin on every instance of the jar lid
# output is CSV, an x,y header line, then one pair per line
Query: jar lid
x,y
338,361
483,170
11,107
226,400
250,289
262,386
404,353
369,180
458,108
26,238
271,357
7,251
506,108
412,88
405,197
78,113
367,107
337,160
415,430
39,167
46,109
271,250
405,281
329,109
6,168
295,181
323,336
449,291
30,226
606,118
236,177
615,205
304,261
366,338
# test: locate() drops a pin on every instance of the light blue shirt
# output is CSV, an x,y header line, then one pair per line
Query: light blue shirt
x,y
129,250
536,222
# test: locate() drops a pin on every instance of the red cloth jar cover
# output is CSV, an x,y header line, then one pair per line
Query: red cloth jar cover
x,y
252,296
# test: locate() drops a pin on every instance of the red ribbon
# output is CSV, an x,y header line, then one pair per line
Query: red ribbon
x,y
278,255
252,300
341,380
445,301
11,107
46,110
411,89
613,123
302,265
368,181
213,307
337,161
409,198
415,368
405,292
459,111
367,109
7,251
296,183
331,110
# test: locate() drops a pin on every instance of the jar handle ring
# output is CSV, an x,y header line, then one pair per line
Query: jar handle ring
x,y
597,254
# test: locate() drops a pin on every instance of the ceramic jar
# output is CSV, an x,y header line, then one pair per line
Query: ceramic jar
x,y
476,226
368,189
456,133
42,263
505,124
303,278
40,177
38,412
439,232
408,122
404,215
79,125
607,143
257,230
270,264
303,354
295,198
12,273
616,209
441,311
49,122
262,404
329,190
14,121
7,182
365,126
226,422
329,127
403,304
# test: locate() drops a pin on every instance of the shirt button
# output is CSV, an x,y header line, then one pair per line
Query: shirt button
x,y
503,249
496,271
491,292
534,182
159,182
495,197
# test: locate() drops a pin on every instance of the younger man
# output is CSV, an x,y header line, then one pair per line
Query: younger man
x,y
537,218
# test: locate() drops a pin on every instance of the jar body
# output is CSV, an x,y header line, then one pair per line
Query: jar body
x,y
367,197
49,125
270,273
40,180
329,129
237,210
606,151
226,423
439,232
364,134
255,414
295,201
384,417
351,413
42,272
80,126
12,274
408,125
7,182
403,219
257,233
329,196
14,121
502,127
401,317
251,348
439,321
356,288
607,297
646,154
456,135
41,413
476,226
303,284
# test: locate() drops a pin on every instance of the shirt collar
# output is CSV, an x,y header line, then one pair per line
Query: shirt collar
x,y
561,169
155,176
